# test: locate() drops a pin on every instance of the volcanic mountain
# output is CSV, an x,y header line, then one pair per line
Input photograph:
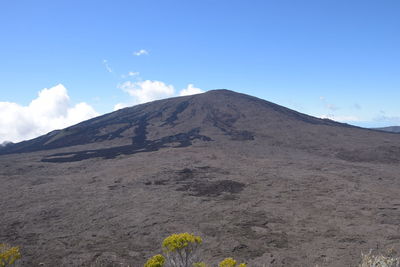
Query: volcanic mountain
x,y
259,182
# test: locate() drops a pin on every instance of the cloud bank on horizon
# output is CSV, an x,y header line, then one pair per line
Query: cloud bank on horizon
x,y
51,110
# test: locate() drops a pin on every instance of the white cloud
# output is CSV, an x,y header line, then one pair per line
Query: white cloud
x,y
133,73
130,74
49,111
140,52
146,91
190,90
108,68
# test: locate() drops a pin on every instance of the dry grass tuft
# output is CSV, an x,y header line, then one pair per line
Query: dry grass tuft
x,y
389,260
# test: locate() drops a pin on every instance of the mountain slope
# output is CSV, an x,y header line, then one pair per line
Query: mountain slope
x,y
220,109
259,182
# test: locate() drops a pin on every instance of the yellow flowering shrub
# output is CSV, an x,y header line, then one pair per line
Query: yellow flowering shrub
x,y
177,242
180,250
155,261
230,262
8,255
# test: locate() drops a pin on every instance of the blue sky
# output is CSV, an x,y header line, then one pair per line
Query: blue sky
x,y
327,58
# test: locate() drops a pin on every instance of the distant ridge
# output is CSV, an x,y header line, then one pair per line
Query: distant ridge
x,y
392,129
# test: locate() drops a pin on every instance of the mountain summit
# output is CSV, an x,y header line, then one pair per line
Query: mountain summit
x,y
257,181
